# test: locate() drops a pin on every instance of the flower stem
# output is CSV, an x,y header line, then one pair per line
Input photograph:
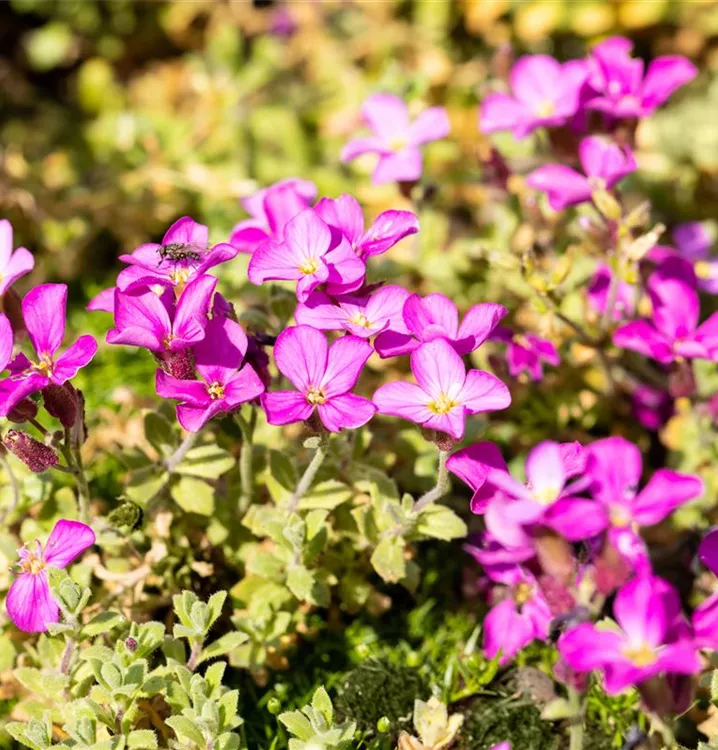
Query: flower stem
x,y
309,474
66,658
245,461
171,462
576,731
441,488
194,656
73,457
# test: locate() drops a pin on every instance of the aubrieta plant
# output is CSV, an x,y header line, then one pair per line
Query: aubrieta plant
x,y
264,467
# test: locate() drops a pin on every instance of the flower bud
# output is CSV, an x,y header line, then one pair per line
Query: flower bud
x,y
61,402
131,645
22,411
35,455
274,706
179,364
258,360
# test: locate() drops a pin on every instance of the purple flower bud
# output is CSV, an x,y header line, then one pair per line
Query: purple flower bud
x,y
131,645
61,402
35,455
179,364
22,411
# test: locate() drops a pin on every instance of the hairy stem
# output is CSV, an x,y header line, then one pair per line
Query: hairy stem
x,y
171,462
245,461
37,426
194,656
309,474
441,488
73,458
575,734
66,658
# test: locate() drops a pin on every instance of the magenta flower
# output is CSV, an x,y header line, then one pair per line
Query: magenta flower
x,y
626,294
694,243
472,465
271,208
395,138
437,317
225,384
153,322
673,331
344,215
651,406
13,265
604,163
361,316
645,609
526,352
147,267
44,313
520,617
444,393
310,256
708,550
622,90
103,301
323,376
29,601
545,94
501,746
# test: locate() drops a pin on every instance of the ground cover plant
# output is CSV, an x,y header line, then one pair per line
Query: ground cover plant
x,y
359,382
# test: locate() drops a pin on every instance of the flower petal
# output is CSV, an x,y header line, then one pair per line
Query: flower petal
x,y
14,390
586,648
477,325
388,228
434,316
482,392
6,341
30,604
74,358
708,551
401,166
394,343
430,125
244,386
346,412
219,354
345,361
640,336
563,185
301,355
67,540
640,611
193,392
615,466
320,312
273,261
286,407
665,491
440,371
43,310
192,307
664,75
406,400
387,115
21,262
544,469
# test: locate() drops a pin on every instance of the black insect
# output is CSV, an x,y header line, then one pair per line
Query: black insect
x,y
568,620
179,251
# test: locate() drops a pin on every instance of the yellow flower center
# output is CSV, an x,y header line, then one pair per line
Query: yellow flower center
x,y
44,366
620,516
443,405
33,564
309,266
643,656
546,495
397,143
180,276
522,593
545,109
215,390
316,396
168,339
597,184
361,320
520,340
702,269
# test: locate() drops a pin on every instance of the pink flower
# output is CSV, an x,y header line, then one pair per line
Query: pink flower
x,y
344,215
501,746
155,323
651,406
622,90
147,267
310,256
271,208
646,644
604,164
225,384
29,601
323,376
519,618
472,465
13,265
673,331
103,301
545,93
437,317
526,352
395,138
361,316
44,313
444,393
626,294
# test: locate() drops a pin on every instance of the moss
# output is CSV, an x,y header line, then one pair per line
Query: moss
x,y
488,722
375,689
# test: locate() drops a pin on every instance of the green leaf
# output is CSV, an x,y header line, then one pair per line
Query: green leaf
x,y
388,559
142,739
298,724
322,704
194,496
102,623
440,522
281,476
46,684
144,485
186,730
160,433
222,646
215,604
326,495
208,461
300,582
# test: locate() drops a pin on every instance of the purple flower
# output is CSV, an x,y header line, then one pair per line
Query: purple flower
x,y
323,376
526,352
103,301
501,746
361,316
651,406
225,384
472,465
522,616
395,138
147,267
604,163
705,623
622,90
271,208
44,314
29,601
437,317
641,648
444,393
673,331
708,551
694,242
153,322
545,93
344,215
625,296
309,255
13,265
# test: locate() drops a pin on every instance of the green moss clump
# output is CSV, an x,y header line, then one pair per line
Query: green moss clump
x,y
376,688
488,722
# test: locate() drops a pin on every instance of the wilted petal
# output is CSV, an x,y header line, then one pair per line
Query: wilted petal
x,y
345,412
286,407
393,344
74,358
67,540
345,361
301,355
30,604
43,310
